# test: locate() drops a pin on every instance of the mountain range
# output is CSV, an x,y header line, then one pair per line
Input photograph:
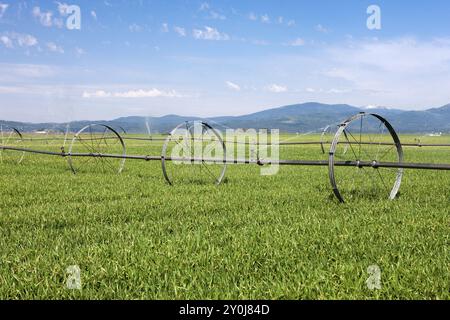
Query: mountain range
x,y
304,117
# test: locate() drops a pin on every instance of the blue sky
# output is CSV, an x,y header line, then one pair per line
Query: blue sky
x,y
209,58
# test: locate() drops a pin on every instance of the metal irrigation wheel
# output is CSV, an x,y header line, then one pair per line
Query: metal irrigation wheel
x,y
89,147
11,137
194,152
370,139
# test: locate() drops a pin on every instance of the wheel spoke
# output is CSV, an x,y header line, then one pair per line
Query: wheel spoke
x,y
346,137
350,143
360,137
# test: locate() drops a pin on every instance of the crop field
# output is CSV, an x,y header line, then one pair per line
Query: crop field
x,y
283,236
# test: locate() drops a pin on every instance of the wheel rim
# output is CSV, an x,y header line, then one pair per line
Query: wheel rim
x,y
194,152
365,138
11,137
324,138
96,140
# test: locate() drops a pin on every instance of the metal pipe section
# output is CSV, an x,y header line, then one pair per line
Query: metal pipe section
x,y
319,163
293,143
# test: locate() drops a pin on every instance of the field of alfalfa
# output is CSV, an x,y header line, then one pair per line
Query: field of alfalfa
x,y
253,237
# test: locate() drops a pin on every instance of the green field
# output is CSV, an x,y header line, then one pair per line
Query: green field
x,y
253,237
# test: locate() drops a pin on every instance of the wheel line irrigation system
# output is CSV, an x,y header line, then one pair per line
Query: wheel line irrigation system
x,y
346,151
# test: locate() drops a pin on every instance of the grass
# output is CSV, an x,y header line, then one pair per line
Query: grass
x,y
254,237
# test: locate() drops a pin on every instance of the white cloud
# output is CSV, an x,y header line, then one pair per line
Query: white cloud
x,y
132,94
3,7
233,86
321,28
217,16
276,88
54,47
152,93
265,18
47,18
7,42
209,34
12,39
94,14
205,7
180,31
297,42
17,72
97,94
63,8
135,28
291,23
400,56
401,72
165,27
338,91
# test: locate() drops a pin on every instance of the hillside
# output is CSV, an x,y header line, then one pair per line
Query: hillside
x,y
293,118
